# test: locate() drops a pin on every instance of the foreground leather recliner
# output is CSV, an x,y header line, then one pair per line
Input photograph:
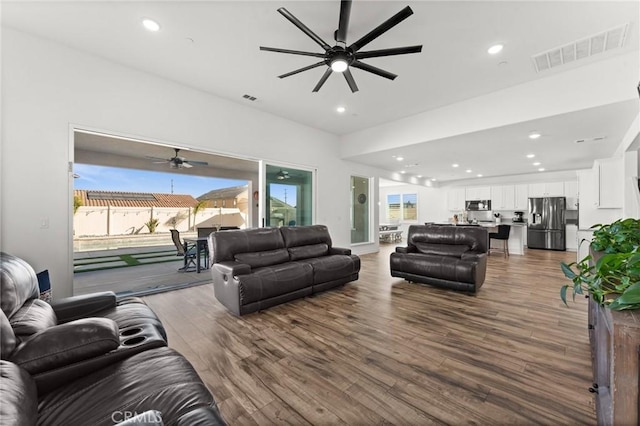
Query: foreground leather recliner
x,y
255,269
89,360
447,256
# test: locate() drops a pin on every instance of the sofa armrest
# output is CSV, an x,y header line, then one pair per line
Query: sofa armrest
x,y
148,418
472,256
408,249
66,344
209,416
83,306
231,268
339,250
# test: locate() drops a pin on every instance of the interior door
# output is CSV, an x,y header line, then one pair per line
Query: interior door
x,y
287,195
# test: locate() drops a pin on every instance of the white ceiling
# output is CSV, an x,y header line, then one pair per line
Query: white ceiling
x,y
214,46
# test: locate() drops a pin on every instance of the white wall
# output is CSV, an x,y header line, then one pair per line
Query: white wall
x,y
48,88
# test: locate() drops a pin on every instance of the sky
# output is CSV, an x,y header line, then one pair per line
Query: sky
x,y
128,180
104,178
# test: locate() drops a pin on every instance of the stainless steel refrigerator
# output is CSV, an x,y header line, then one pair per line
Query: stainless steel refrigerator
x,y
546,225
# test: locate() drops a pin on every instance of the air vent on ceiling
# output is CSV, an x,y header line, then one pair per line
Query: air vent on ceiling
x,y
251,98
598,43
596,139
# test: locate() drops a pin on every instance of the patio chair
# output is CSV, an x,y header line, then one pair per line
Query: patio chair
x,y
188,253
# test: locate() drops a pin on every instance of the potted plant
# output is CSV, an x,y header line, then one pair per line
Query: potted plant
x,y
611,272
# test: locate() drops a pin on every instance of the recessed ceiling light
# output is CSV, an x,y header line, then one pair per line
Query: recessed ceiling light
x,y
403,171
341,109
534,135
479,175
419,176
496,48
455,165
541,169
468,170
433,179
150,24
537,163
399,158
530,155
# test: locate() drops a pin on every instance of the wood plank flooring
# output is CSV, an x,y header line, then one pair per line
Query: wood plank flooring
x,y
384,351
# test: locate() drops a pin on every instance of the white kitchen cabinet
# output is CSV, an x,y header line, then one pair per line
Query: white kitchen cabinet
x,y
456,199
571,192
503,197
572,237
521,201
610,183
473,193
546,189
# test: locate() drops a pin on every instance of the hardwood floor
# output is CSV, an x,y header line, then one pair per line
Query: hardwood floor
x,y
381,350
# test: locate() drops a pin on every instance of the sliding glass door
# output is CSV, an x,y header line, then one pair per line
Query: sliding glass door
x,y
288,196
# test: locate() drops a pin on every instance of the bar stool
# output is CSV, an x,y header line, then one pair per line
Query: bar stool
x,y
502,234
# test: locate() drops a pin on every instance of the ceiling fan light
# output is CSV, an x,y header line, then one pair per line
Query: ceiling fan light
x,y
339,65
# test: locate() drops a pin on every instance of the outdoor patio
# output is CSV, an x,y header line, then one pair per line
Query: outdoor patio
x,y
133,271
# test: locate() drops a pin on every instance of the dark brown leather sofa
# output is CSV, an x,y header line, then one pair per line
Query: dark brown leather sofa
x,y
447,256
89,360
255,269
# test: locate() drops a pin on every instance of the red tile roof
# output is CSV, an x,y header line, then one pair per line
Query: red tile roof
x,y
92,198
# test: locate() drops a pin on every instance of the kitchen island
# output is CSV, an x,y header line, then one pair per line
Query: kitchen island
x,y
516,235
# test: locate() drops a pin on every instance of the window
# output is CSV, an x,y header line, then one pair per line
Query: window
x,y
402,207
410,206
360,210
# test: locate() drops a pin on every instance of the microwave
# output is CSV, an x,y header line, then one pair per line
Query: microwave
x,y
477,205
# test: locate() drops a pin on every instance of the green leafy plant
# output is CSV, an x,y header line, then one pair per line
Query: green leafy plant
x,y
613,277
152,224
77,203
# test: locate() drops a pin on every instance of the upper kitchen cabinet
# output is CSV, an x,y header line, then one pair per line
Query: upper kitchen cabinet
x,y
503,197
478,193
547,189
610,176
521,201
571,192
455,199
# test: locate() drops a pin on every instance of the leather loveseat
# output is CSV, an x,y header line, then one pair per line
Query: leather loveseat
x,y
448,256
255,269
89,359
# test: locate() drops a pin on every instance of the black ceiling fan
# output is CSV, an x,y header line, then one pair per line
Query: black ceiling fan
x,y
341,57
177,162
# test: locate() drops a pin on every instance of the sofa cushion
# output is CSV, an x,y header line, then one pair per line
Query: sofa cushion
x,y
441,267
34,316
224,245
156,379
476,238
305,252
331,268
263,258
18,283
295,236
275,280
454,250
19,396
8,341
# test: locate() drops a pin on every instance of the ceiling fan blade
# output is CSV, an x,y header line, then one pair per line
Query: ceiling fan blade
x,y
309,67
389,52
382,28
158,159
185,165
324,78
374,70
284,12
196,163
350,81
293,52
343,24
